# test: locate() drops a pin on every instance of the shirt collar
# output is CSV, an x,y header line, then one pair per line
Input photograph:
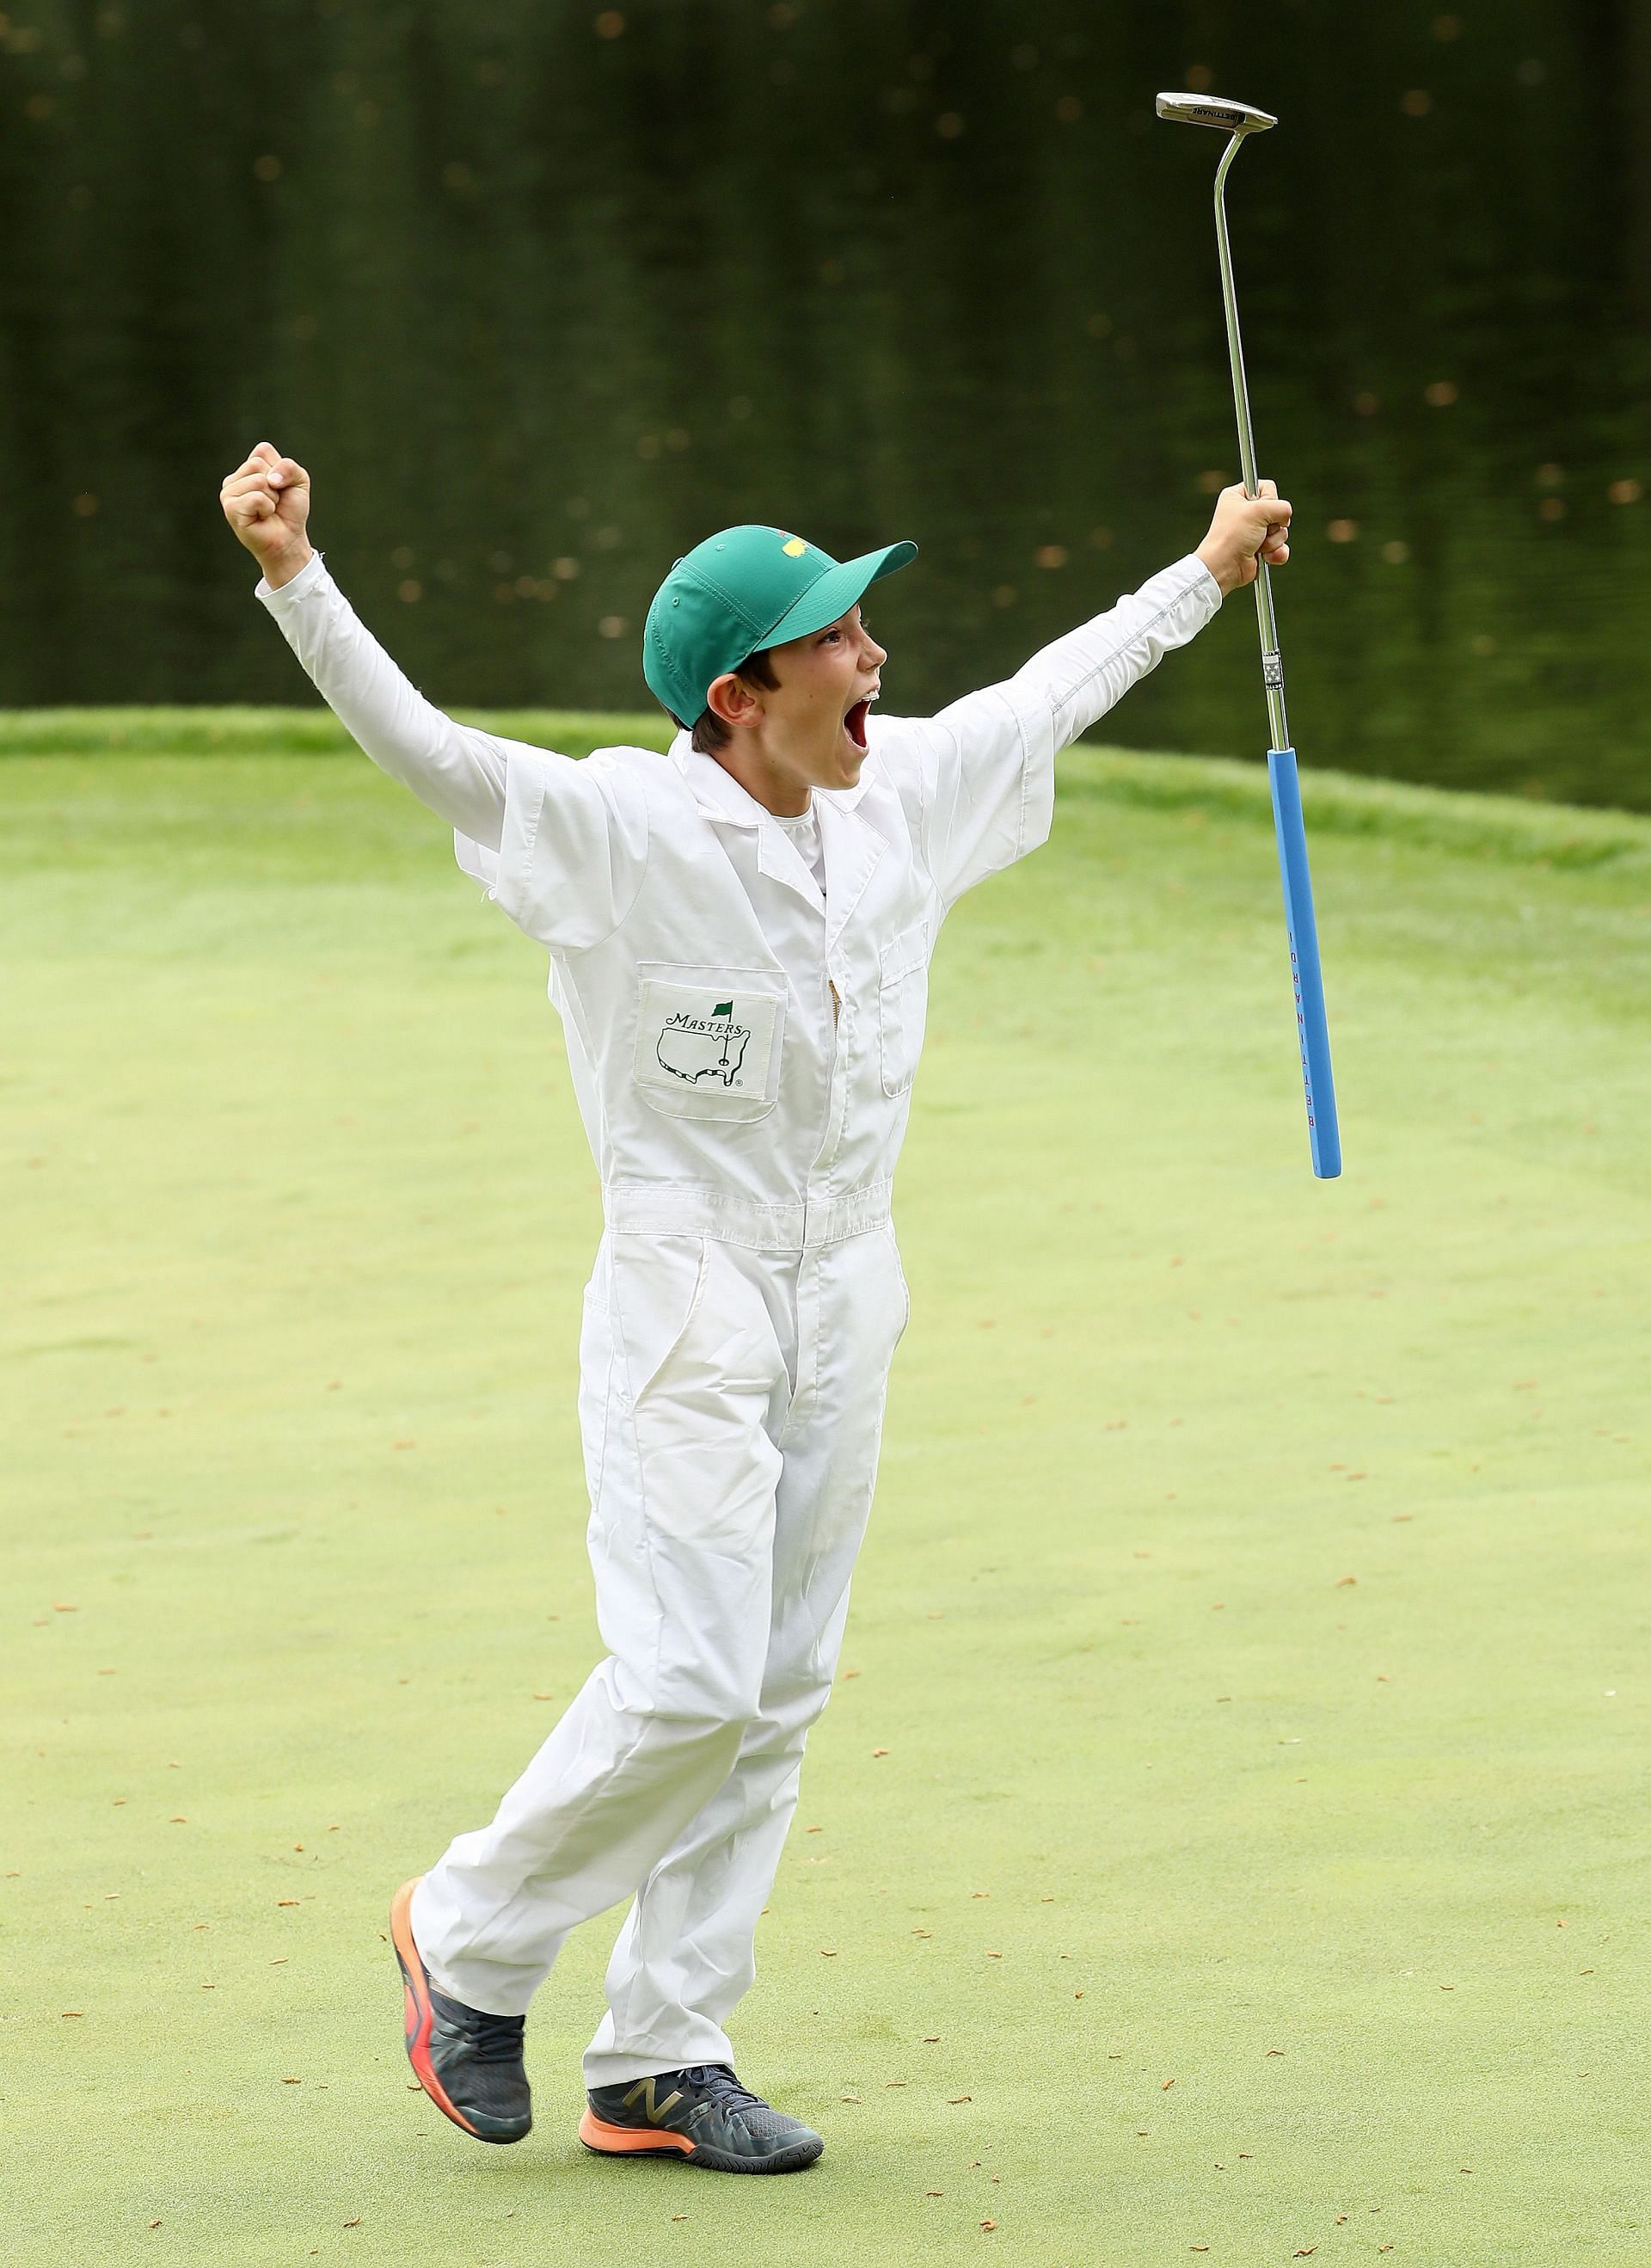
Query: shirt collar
x,y
852,848
720,795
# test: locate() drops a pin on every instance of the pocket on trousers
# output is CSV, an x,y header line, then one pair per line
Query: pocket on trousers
x,y
659,1284
906,1289
902,1007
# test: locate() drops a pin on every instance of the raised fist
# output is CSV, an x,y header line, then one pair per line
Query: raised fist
x,y
266,501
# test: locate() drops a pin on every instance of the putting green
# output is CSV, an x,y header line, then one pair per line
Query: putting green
x,y
1228,1838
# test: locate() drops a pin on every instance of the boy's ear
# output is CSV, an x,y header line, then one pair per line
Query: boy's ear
x,y
731,700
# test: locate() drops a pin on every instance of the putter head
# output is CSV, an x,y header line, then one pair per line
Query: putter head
x,y
1215,110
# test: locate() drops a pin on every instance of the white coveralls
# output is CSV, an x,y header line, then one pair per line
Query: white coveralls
x,y
742,1048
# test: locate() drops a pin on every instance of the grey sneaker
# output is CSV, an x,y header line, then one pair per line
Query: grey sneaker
x,y
702,2115
468,2062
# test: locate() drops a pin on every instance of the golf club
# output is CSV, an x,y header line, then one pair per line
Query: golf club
x,y
1240,119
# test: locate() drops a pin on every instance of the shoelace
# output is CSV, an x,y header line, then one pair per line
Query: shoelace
x,y
717,2080
496,2039
499,2039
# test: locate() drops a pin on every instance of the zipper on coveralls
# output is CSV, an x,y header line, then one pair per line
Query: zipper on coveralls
x,y
836,999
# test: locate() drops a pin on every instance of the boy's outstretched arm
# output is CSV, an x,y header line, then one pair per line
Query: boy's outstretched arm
x,y
458,771
985,766
562,846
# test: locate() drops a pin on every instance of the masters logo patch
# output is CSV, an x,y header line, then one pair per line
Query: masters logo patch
x,y
714,1048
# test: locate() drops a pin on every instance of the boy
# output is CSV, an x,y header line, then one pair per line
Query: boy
x,y
739,936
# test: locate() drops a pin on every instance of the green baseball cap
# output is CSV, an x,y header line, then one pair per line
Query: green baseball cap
x,y
741,591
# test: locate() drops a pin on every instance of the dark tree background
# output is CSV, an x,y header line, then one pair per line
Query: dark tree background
x,y
543,293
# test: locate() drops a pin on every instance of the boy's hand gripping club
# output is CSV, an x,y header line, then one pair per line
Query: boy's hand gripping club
x,y
1239,120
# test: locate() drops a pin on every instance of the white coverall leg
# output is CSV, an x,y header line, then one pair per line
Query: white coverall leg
x,y
731,1410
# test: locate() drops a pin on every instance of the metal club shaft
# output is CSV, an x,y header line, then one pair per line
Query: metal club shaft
x,y
1271,661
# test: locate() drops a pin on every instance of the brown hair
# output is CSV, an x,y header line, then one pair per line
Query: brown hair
x,y
710,735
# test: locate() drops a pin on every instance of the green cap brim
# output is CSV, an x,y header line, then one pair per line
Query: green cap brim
x,y
829,597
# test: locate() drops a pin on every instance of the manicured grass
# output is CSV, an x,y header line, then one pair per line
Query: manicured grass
x,y
310,732
1254,1616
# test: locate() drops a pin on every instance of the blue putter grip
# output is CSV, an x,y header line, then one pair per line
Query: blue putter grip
x,y
1302,932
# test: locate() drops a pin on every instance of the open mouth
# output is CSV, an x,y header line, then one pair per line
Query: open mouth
x,y
855,722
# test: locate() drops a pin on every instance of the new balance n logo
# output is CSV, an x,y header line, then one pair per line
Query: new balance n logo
x,y
654,2111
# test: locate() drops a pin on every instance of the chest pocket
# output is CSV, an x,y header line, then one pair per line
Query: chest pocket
x,y
709,1041
902,1006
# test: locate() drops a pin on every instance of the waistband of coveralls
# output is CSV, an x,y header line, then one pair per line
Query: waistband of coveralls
x,y
700,1209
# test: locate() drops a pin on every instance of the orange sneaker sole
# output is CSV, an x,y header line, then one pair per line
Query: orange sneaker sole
x,y
631,2141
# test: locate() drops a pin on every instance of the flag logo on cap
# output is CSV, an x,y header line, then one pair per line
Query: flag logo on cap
x,y
795,548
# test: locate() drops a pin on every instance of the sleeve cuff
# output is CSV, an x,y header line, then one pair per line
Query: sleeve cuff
x,y
1198,577
307,580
